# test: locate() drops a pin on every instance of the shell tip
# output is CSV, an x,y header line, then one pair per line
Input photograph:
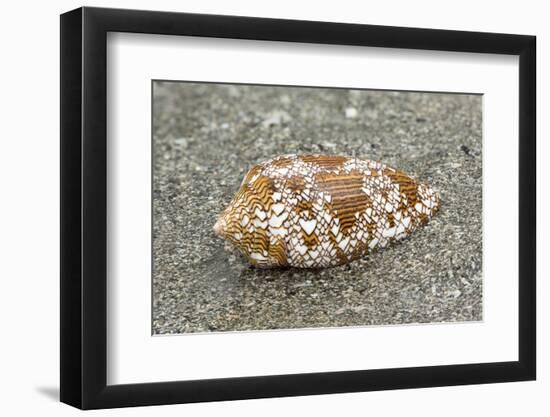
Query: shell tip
x,y
219,227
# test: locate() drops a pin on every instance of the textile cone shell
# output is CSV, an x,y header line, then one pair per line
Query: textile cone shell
x,y
314,211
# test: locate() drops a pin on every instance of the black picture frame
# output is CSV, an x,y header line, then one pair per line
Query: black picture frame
x,y
84,207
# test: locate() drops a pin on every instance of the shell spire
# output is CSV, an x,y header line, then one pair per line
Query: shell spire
x,y
314,211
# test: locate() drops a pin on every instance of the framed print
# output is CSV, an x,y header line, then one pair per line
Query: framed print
x,y
256,208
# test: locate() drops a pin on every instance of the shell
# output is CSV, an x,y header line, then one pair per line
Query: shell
x,y
314,211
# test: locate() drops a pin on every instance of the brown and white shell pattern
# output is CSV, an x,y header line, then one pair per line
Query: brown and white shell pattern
x,y
312,211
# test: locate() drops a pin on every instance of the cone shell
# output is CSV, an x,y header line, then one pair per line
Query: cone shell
x,y
314,211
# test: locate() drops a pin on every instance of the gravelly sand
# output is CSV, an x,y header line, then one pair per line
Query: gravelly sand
x,y
206,136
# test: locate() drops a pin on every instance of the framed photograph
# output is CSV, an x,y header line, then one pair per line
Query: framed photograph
x,y
257,208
